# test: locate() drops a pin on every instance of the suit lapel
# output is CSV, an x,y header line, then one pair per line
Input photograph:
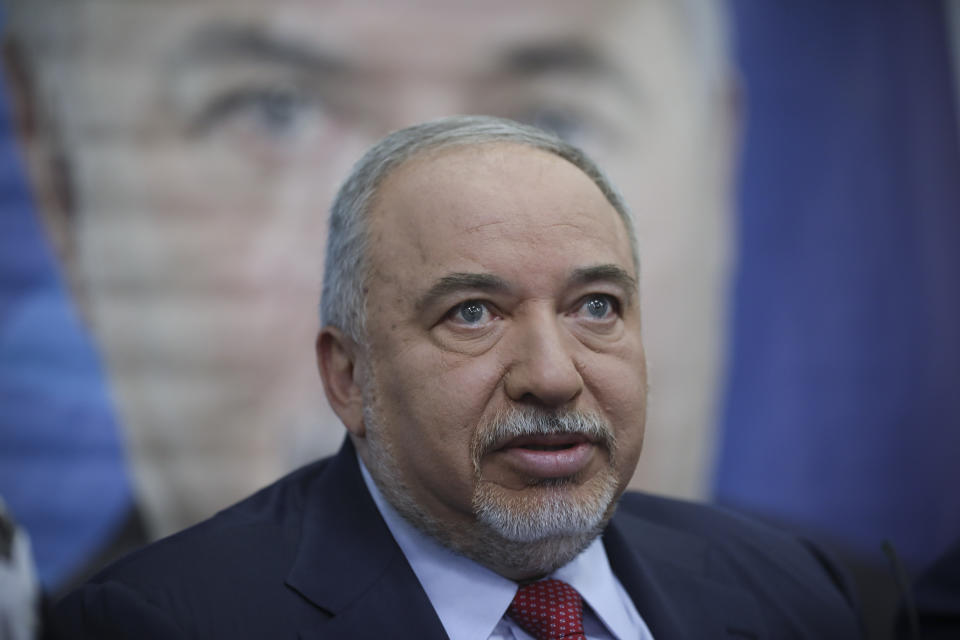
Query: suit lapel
x,y
350,567
664,572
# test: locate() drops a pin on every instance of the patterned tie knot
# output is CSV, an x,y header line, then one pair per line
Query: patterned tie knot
x,y
549,610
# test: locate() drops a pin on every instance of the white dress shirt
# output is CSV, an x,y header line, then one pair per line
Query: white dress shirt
x,y
471,600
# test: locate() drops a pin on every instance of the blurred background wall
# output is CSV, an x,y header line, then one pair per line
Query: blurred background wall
x,y
167,165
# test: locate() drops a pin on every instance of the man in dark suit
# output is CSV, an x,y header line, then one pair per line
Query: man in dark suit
x,y
482,346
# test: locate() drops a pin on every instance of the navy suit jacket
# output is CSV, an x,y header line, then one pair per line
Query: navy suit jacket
x,y
310,557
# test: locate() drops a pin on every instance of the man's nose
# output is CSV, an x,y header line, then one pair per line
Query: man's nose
x,y
542,368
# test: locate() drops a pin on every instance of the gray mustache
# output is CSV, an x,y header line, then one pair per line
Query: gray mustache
x,y
533,422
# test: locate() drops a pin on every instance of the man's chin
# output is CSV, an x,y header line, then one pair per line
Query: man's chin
x,y
531,533
558,508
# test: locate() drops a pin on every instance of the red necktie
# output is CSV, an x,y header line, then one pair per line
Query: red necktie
x,y
549,610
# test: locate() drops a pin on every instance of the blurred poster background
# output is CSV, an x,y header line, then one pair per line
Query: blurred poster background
x,y
167,166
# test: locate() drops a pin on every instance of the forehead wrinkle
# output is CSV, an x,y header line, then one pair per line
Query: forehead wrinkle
x,y
484,225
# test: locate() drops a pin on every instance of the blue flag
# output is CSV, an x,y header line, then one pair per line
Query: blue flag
x,y
843,404
62,473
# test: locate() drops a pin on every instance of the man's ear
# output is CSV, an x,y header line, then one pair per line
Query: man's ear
x,y
341,372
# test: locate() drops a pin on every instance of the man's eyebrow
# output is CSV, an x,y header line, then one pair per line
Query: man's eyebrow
x,y
606,273
564,56
224,42
454,282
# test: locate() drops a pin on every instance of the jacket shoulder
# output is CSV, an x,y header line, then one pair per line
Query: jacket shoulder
x,y
234,562
720,532
793,581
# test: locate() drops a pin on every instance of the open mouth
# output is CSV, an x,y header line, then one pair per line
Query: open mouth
x,y
548,447
548,456
546,442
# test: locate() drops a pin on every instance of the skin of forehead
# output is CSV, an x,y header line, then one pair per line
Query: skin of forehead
x,y
462,161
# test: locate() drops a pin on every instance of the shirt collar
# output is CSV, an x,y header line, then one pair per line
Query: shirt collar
x,y
470,599
590,574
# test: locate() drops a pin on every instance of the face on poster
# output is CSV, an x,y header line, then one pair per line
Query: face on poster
x,y
185,153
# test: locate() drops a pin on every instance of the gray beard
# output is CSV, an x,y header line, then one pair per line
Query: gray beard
x,y
531,534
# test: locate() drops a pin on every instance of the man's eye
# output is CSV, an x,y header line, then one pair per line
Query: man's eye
x,y
276,111
599,307
472,312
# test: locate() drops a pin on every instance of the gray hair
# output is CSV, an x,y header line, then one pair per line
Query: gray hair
x,y
343,301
